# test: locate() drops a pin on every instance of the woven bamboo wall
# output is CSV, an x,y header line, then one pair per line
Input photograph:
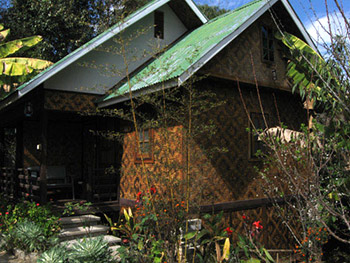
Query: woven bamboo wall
x,y
238,60
221,177
69,101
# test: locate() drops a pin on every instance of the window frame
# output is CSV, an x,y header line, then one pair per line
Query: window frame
x,y
148,157
270,37
252,137
159,24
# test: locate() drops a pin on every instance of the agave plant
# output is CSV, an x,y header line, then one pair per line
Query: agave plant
x,y
91,250
57,254
29,237
16,70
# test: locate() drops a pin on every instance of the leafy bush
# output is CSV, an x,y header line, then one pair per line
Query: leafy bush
x,y
57,254
29,237
41,215
90,251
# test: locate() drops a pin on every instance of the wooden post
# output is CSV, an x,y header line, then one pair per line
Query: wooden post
x,y
19,157
2,147
43,165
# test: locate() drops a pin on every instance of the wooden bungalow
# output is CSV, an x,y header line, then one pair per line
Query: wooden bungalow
x,y
56,156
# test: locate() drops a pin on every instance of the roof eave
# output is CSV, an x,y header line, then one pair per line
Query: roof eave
x,y
299,24
135,94
196,10
85,49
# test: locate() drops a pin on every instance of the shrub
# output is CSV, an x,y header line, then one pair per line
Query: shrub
x,y
41,215
91,251
29,237
57,254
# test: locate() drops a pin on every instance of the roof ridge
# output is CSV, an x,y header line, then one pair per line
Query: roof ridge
x,y
235,10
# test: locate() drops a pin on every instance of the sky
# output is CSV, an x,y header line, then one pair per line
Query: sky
x,y
311,12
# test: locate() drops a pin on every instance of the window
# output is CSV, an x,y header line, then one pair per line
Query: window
x,y
267,44
259,124
159,24
146,150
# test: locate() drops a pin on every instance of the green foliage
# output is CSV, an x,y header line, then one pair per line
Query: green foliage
x,y
16,70
57,254
212,11
29,237
90,250
64,25
41,215
70,208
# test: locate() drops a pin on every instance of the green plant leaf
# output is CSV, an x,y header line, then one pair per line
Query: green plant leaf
x,y
4,34
11,47
190,235
267,254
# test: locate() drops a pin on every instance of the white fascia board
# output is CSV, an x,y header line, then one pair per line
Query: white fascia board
x,y
214,51
125,97
300,25
196,10
84,50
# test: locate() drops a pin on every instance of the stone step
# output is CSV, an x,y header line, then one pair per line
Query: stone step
x,y
111,240
81,231
115,253
83,220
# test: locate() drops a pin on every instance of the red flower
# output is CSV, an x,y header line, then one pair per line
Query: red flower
x,y
0,214
27,194
153,190
138,197
228,231
37,204
7,213
257,225
244,217
125,241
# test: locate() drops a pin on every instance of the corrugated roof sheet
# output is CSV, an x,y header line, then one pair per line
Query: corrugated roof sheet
x,y
179,58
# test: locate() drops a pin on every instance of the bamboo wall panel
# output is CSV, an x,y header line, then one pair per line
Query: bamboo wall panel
x,y
69,101
238,60
233,171
166,162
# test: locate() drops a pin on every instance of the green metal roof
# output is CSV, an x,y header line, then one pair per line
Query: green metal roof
x,y
179,58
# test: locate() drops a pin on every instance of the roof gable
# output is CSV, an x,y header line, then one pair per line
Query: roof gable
x,y
197,16
181,61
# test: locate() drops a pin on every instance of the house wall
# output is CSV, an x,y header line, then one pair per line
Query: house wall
x,y
243,56
104,66
218,176
233,171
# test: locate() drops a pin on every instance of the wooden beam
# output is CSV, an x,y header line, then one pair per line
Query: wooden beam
x,y
43,163
19,155
241,205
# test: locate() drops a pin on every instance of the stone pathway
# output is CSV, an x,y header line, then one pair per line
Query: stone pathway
x,y
6,258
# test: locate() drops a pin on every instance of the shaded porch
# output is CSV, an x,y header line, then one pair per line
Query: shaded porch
x,y
49,151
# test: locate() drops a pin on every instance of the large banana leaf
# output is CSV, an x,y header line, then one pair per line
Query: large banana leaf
x,y
37,64
9,48
307,70
4,34
19,70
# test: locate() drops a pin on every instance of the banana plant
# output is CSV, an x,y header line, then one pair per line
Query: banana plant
x,y
17,70
308,71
